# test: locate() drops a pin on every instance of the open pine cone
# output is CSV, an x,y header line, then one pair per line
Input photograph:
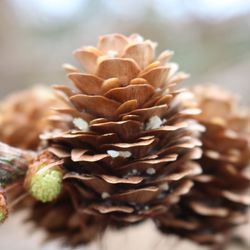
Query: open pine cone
x,y
220,197
128,155
24,116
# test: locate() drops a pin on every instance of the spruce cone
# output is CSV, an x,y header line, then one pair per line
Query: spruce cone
x,y
24,116
220,197
128,155
59,218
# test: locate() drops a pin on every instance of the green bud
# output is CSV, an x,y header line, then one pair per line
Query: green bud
x,y
3,215
3,208
46,184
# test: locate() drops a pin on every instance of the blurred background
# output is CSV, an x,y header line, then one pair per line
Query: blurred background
x,y
211,40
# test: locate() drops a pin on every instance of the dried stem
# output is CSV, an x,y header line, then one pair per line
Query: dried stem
x,y
13,164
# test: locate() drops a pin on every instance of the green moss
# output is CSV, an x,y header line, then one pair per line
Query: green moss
x,y
46,186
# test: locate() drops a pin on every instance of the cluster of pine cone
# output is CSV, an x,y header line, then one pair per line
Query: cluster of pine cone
x,y
126,145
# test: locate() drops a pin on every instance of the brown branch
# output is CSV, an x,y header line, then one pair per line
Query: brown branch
x,y
13,163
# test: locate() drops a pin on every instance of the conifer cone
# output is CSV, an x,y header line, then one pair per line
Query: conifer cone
x,y
59,218
128,155
24,116
220,198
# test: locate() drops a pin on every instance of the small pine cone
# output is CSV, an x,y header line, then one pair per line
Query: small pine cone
x,y
60,218
220,197
128,155
24,116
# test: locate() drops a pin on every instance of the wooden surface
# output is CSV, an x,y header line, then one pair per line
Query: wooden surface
x,y
14,235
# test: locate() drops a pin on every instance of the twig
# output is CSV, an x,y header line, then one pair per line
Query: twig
x,y
13,164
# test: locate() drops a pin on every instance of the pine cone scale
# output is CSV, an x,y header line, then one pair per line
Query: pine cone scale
x,y
220,196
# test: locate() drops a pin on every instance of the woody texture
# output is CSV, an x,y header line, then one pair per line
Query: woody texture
x,y
24,116
128,153
220,198
126,144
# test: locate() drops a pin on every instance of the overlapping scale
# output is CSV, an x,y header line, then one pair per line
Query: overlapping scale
x,y
128,154
220,196
24,116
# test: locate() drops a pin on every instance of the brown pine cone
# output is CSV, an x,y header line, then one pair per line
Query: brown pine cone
x,y
24,116
128,155
220,197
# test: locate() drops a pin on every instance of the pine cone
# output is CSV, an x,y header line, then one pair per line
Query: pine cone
x,y
24,116
128,155
220,197
27,113
59,218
